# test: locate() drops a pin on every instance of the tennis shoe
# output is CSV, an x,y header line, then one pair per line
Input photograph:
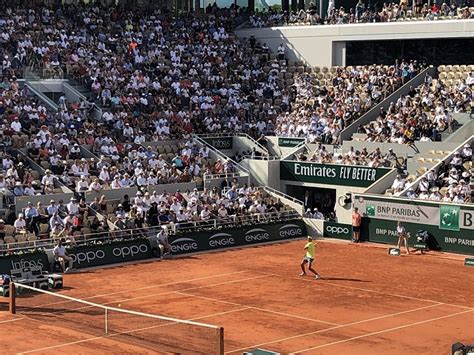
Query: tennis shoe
x,y
303,274
317,276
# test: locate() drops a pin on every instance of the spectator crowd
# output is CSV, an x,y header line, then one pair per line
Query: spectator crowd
x,y
363,12
375,159
321,112
423,114
449,182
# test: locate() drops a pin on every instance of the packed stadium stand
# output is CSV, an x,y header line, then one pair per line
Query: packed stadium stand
x,y
96,99
177,127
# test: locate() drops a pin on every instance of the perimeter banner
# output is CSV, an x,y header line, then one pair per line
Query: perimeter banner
x,y
337,230
220,143
18,262
225,238
110,253
451,227
289,142
330,174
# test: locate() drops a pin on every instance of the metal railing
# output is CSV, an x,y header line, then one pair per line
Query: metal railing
x,y
297,149
188,227
220,154
260,157
280,194
237,134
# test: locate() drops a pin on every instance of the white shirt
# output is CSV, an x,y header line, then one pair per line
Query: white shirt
x,y
205,214
20,224
47,179
59,250
72,207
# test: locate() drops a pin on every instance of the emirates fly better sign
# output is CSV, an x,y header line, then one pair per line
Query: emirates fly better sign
x,y
330,174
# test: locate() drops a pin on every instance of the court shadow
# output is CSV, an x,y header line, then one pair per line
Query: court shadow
x,y
342,279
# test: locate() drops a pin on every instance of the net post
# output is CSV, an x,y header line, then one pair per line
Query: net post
x,y
12,305
221,340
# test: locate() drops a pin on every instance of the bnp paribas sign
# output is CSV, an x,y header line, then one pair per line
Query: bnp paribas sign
x,y
330,174
447,217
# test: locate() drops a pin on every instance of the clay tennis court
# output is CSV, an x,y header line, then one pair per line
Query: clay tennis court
x,y
366,302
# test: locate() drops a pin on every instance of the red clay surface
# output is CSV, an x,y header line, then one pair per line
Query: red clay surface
x,y
367,302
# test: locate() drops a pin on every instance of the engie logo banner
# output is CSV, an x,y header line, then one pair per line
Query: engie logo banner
x,y
95,255
184,244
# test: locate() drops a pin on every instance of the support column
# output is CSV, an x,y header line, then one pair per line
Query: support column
x,y
294,5
285,4
251,6
339,54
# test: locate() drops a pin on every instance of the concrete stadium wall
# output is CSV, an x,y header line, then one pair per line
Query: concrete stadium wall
x,y
117,194
462,134
258,169
383,183
326,45
243,143
314,226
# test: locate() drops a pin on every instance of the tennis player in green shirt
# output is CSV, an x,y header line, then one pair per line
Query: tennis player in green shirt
x,y
309,258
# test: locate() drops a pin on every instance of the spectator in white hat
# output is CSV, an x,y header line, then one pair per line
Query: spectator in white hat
x,y
466,153
20,224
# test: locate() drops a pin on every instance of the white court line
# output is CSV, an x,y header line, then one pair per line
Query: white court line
x,y
152,286
259,309
147,296
336,327
383,331
323,282
127,332
186,289
11,320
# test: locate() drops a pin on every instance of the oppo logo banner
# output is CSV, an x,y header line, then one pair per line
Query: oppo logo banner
x,y
290,231
221,240
257,235
89,256
181,245
133,250
337,230
95,255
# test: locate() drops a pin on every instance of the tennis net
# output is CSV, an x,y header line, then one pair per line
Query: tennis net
x,y
146,330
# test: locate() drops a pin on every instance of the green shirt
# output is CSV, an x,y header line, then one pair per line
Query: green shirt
x,y
309,250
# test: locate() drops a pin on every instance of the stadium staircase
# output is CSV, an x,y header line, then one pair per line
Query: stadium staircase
x,y
465,122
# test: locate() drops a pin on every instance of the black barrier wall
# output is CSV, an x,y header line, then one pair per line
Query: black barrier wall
x,y
225,238
110,253
36,259
119,251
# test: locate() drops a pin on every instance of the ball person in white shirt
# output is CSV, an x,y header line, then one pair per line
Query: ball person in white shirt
x,y
61,255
